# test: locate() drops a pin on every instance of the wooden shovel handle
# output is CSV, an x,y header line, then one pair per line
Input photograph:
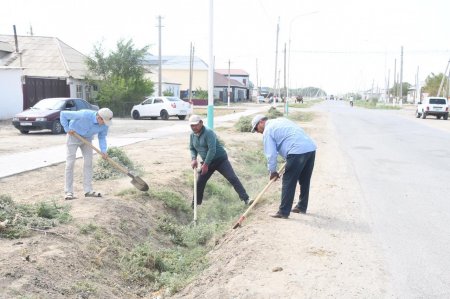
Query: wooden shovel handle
x,y
113,163
242,218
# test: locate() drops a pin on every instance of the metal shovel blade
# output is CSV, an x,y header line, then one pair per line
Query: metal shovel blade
x,y
139,183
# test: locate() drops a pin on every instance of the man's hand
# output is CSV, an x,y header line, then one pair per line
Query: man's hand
x,y
105,156
194,164
204,168
71,132
274,175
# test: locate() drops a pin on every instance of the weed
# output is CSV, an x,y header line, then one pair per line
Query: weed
x,y
244,124
171,199
84,288
103,169
88,228
22,217
273,113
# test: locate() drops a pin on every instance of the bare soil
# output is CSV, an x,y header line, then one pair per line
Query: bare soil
x,y
329,252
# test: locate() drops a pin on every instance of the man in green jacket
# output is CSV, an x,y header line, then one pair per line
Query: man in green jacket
x,y
204,142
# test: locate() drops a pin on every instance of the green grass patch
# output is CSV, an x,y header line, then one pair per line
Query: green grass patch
x,y
23,217
301,116
374,105
305,104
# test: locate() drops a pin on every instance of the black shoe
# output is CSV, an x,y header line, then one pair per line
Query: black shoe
x,y
279,215
297,210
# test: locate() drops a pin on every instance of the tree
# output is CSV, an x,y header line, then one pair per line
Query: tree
x,y
396,89
432,83
120,77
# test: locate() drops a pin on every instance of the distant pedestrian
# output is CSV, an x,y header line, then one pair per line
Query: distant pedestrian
x,y
204,143
285,138
85,123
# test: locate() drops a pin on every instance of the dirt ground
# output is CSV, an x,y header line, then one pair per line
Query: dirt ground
x,y
329,252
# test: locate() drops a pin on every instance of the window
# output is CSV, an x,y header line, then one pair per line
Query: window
x,y
79,91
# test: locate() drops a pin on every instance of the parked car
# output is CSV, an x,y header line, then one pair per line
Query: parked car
x,y
437,106
260,99
164,107
44,115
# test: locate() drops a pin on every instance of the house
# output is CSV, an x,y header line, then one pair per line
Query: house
x,y
238,91
51,68
176,69
240,76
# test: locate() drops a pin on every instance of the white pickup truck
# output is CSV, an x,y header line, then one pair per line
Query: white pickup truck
x,y
437,106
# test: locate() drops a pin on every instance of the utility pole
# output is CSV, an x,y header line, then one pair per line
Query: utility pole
x,y
276,64
160,59
394,89
443,78
418,96
401,74
229,88
257,82
211,67
191,71
285,86
387,87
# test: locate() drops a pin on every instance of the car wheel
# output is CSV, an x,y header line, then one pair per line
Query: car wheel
x,y
136,114
446,117
424,115
182,117
164,115
57,127
24,131
417,114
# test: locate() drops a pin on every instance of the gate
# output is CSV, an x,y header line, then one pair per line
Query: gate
x,y
36,89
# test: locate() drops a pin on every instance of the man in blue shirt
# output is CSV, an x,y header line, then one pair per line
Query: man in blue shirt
x,y
285,138
204,143
86,123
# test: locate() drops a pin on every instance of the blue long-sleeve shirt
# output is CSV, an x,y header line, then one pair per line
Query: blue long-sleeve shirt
x,y
84,122
283,137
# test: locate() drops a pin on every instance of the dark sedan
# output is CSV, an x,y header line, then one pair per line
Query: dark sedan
x,y
44,115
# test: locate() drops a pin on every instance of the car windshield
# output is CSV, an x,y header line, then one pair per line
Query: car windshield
x,y
50,104
437,101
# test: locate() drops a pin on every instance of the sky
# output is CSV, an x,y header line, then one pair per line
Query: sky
x,y
339,46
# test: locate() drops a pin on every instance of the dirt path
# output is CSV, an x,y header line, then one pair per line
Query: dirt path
x,y
329,252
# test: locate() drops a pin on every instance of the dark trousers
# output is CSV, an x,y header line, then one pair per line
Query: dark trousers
x,y
299,169
223,166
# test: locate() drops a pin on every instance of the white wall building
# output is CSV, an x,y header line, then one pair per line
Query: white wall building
x,y
11,97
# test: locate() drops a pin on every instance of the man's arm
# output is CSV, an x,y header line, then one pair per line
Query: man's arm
x,y
211,140
102,139
270,151
194,152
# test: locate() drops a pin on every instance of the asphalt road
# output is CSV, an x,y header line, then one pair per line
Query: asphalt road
x,y
403,167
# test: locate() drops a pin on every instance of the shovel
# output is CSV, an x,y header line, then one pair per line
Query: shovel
x,y
136,181
242,218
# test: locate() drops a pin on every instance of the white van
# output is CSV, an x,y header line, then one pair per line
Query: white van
x,y
437,106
